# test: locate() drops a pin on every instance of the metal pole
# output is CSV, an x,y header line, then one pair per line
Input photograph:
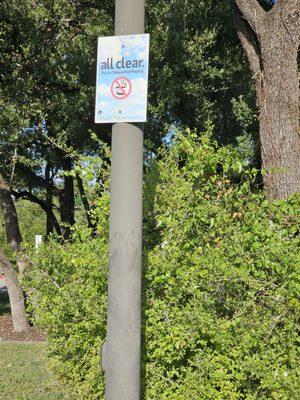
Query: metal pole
x,y
121,354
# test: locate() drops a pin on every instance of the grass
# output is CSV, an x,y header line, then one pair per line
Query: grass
x,y
24,374
23,369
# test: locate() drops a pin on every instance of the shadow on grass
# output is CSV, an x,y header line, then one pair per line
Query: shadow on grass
x,y
4,303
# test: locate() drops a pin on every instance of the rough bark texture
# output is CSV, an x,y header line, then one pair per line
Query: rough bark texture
x,y
15,292
271,41
13,233
16,296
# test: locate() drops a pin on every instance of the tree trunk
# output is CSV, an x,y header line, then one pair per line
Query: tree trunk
x,y
271,41
85,203
51,221
16,296
12,230
279,117
49,203
67,202
14,238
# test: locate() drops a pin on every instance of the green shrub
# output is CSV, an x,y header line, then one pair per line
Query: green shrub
x,y
222,282
67,286
221,277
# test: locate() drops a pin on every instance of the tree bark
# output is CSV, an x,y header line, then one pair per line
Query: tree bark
x,y
49,203
12,230
279,117
85,203
16,296
14,238
271,42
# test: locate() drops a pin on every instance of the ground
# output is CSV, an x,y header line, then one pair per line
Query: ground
x,y
23,363
24,373
7,332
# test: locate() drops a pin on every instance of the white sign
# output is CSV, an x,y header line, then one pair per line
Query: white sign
x,y
38,240
122,79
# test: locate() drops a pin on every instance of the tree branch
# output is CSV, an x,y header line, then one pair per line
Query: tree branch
x,y
251,47
37,180
252,11
44,206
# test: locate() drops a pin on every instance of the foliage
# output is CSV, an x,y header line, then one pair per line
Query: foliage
x,y
31,221
67,288
222,282
220,285
48,62
246,142
196,67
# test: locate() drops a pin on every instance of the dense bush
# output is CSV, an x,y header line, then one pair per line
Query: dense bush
x,y
220,287
221,283
67,287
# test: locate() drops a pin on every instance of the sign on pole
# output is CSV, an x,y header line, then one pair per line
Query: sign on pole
x,y
122,79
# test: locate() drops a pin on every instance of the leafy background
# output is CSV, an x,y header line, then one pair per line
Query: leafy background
x,y
221,277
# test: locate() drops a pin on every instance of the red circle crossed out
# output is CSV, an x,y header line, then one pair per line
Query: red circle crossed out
x,y
121,88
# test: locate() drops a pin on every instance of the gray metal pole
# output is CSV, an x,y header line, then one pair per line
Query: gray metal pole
x,y
121,355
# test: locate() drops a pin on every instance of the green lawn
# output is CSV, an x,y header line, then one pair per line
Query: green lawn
x,y
24,374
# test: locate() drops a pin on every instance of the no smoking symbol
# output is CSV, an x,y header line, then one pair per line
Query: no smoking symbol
x,y
121,88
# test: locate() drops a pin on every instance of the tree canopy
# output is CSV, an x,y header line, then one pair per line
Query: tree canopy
x,y
48,63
